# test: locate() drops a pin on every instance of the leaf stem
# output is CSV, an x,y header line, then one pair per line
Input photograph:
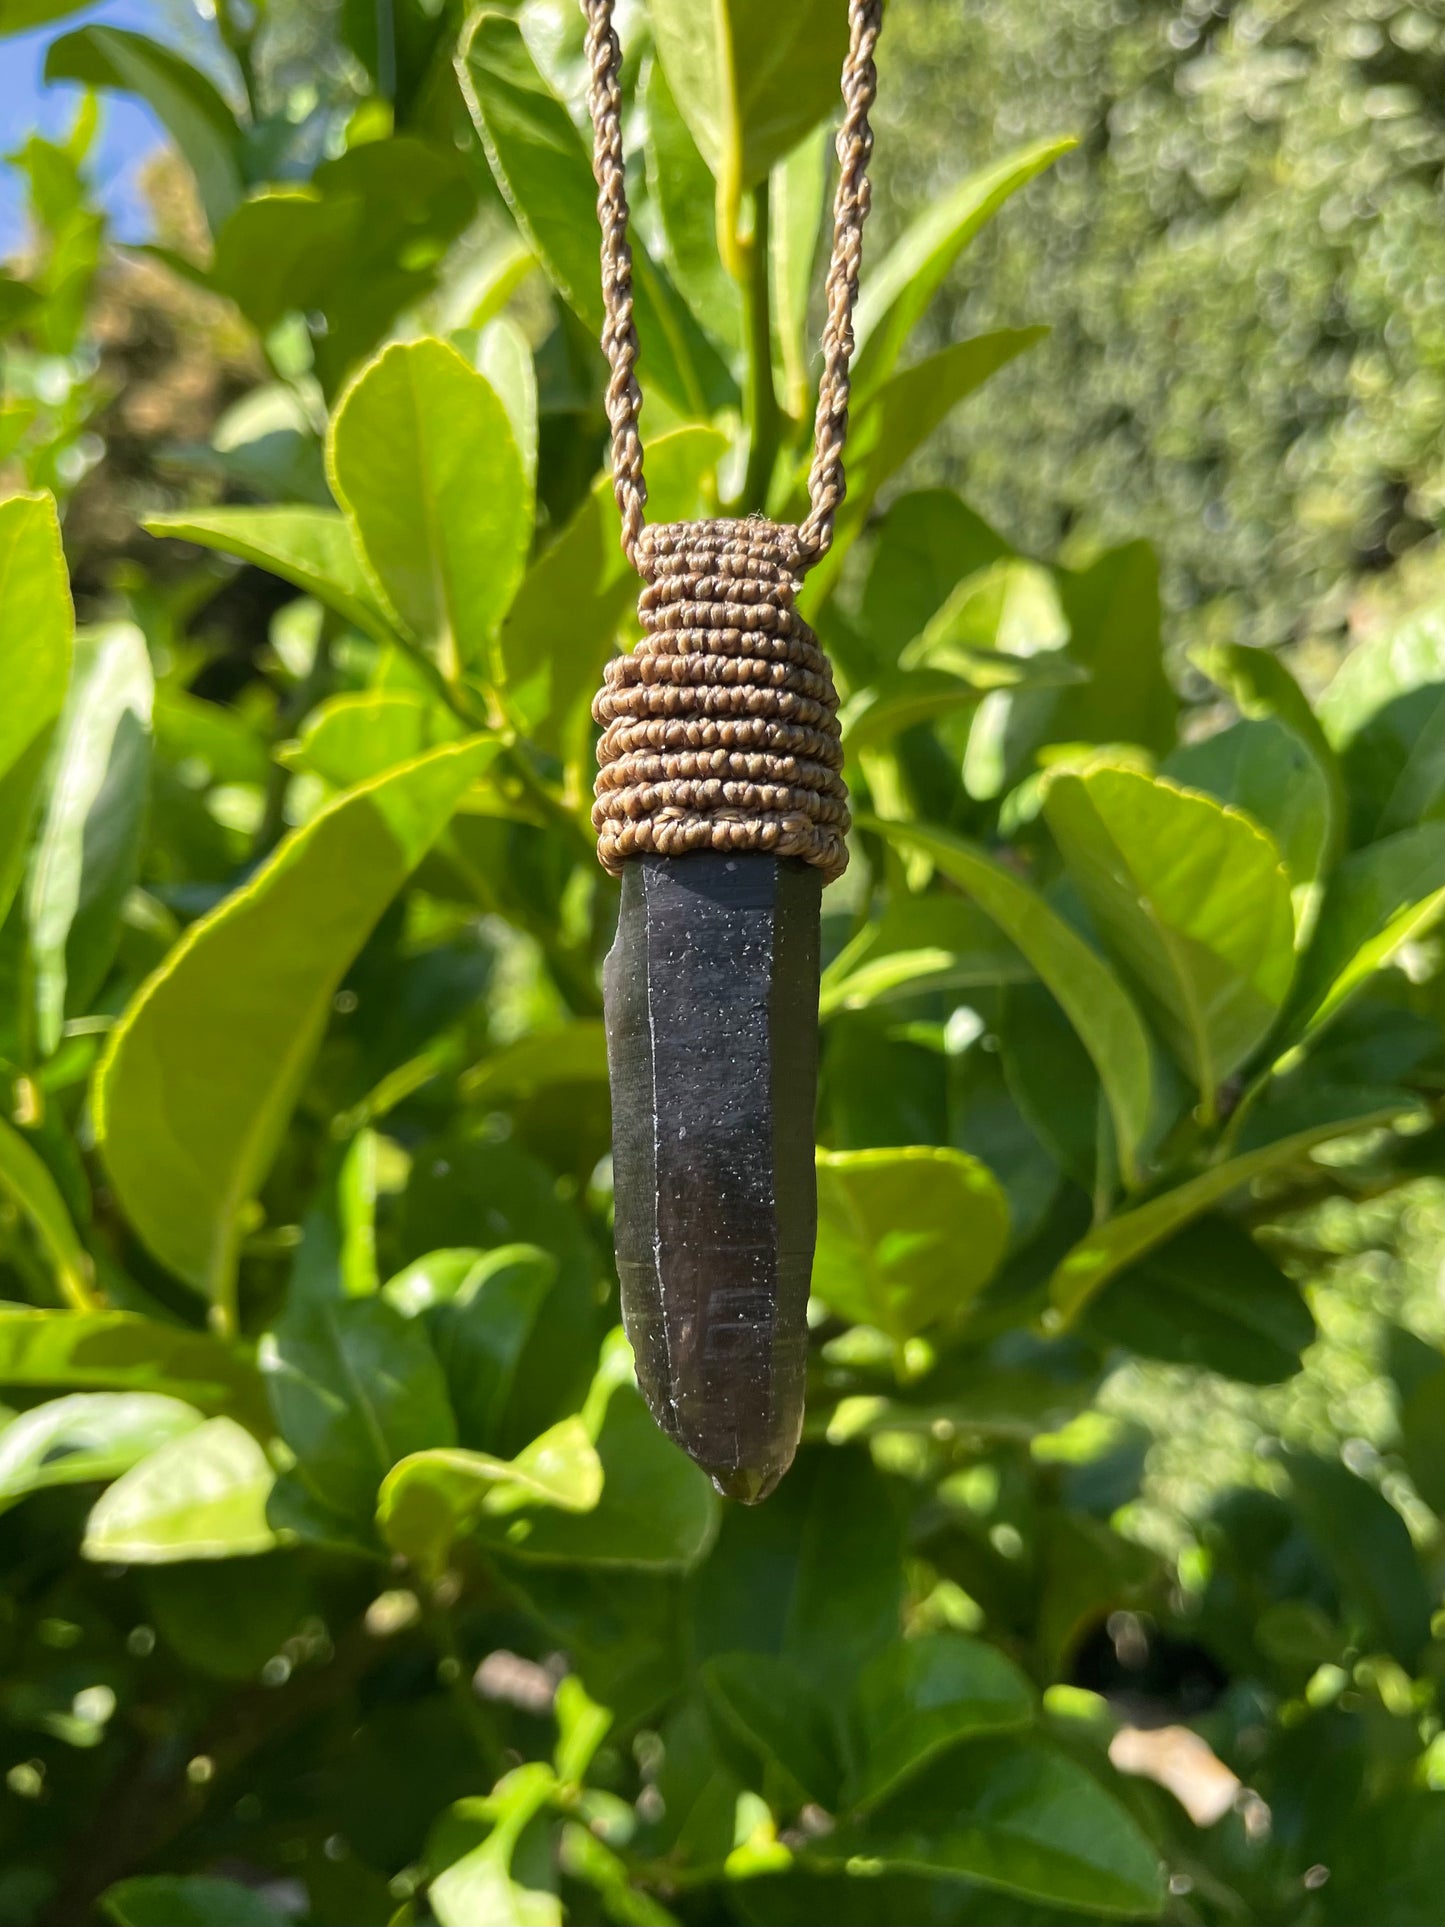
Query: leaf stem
x,y
764,415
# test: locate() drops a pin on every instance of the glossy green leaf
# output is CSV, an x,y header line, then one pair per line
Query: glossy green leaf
x,y
1114,617
425,464
1098,1007
119,1351
26,1181
88,851
351,739
187,1900
936,941
504,357
1368,1543
923,1696
898,291
309,547
1384,715
19,16
1378,899
1264,769
202,1072
187,105
906,1239
1263,689
485,1884
902,412
1121,1240
35,645
575,1053
1018,1816
657,1510
749,81
1193,899
219,744
481,1309
429,1500
682,188
84,1436
798,196
544,171
1209,1297
768,1712
224,1620
1418,1370
201,1496
355,1388
563,624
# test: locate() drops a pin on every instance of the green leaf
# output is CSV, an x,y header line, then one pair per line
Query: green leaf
x,y
657,1509
362,242
1114,618
504,357
25,1179
574,1053
481,1309
682,190
226,746
1384,715
88,852
1209,1297
425,464
353,738
1369,1545
1264,769
118,1351
431,1499
1018,1816
87,1435
485,1884
935,941
36,625
20,16
562,626
1377,899
766,1709
187,1900
923,1696
178,93
204,1068
1418,1370
750,80
1263,689
903,411
225,1620
1096,1004
906,1239
798,195
898,291
545,173
201,1496
1119,1241
1194,900
355,1388
309,547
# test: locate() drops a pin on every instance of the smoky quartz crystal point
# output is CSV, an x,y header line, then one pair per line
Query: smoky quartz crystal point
x,y
712,1020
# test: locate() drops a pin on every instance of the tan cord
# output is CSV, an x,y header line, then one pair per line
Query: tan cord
x,y
721,731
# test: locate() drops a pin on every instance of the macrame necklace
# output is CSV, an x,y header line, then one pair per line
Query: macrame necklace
x,y
721,805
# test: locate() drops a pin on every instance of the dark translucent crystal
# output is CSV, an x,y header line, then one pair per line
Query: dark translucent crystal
x,y
712,1024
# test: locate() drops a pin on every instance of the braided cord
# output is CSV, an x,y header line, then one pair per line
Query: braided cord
x,y
826,483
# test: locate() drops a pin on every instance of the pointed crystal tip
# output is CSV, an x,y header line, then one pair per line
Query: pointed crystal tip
x,y
748,1484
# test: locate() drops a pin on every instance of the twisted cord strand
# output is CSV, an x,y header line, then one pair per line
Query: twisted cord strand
x,y
826,483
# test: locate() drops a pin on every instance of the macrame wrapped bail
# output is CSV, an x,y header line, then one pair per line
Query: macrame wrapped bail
x,y
721,805
720,730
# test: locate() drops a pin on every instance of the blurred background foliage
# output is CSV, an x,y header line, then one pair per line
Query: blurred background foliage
x,y
1204,1525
